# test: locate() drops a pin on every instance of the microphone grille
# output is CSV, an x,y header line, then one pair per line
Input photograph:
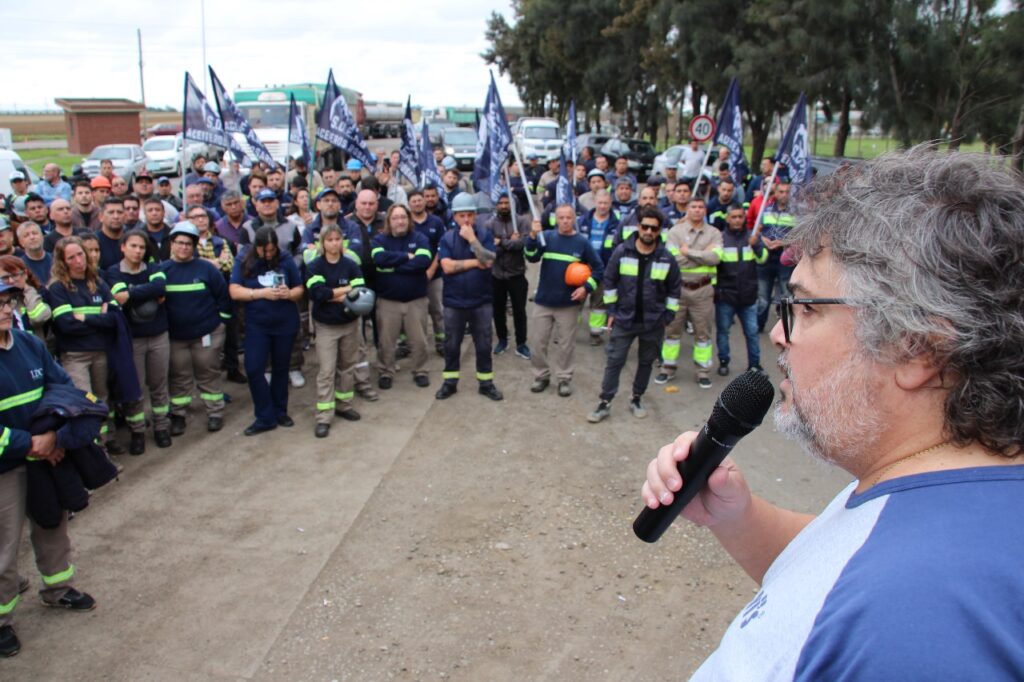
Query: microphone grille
x,y
743,404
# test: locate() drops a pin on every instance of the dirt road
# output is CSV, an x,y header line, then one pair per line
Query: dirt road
x,y
459,540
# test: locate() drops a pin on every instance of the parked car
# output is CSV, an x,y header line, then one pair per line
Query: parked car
x,y
593,140
163,129
540,136
164,154
128,160
10,162
459,143
639,154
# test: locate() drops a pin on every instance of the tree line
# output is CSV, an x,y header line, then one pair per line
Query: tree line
x,y
950,70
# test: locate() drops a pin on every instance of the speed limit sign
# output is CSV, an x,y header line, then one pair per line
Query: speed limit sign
x,y
702,128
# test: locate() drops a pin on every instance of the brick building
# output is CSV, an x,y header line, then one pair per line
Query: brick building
x,y
92,122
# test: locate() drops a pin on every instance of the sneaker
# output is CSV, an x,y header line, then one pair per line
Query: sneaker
x,y
384,383
113,447
637,408
74,600
523,351
604,409
564,389
664,378
368,394
9,644
421,380
704,382
447,390
500,347
488,389
723,369
539,385
295,376
137,446
756,368
177,425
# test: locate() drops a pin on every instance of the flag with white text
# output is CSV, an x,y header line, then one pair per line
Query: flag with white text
x,y
337,127
235,122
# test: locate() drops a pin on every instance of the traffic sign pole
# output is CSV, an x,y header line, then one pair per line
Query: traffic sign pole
x,y
702,129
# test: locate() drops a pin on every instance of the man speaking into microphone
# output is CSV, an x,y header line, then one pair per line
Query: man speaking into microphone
x,y
901,355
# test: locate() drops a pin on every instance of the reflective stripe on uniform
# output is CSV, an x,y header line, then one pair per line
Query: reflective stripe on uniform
x,y
314,280
670,352
346,395
181,400
37,311
551,255
212,396
9,606
184,288
21,399
450,375
611,296
62,577
672,304
598,321
325,407
423,252
702,352
5,440
659,271
62,309
629,266
161,409
135,418
485,376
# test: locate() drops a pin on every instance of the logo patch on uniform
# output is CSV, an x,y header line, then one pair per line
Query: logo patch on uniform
x,y
36,373
755,609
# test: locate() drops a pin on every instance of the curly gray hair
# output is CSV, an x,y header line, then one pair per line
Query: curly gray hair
x,y
933,245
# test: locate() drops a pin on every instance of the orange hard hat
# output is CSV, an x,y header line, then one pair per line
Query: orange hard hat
x,y
577,274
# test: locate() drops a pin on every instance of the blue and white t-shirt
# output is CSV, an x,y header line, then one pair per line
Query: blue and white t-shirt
x,y
918,578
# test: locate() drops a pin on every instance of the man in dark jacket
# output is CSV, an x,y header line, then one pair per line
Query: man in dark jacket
x,y
736,290
466,255
509,274
641,288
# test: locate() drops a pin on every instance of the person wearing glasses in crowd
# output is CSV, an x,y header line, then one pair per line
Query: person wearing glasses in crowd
x,y
641,291
197,305
900,356
268,283
33,313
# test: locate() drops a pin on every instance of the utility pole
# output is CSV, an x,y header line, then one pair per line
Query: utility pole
x,y
202,8
142,84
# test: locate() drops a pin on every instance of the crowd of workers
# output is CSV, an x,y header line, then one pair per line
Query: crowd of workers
x,y
146,300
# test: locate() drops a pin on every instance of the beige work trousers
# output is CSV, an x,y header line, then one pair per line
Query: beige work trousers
x,y
88,372
391,316
337,350
558,326
699,306
195,363
152,357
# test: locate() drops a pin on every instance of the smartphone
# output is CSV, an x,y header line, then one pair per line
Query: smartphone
x,y
278,279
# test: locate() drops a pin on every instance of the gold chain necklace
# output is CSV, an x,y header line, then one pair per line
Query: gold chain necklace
x,y
889,468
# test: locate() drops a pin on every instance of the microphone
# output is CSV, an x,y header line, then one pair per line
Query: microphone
x,y
739,410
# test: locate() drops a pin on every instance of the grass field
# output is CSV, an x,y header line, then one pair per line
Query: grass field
x,y
37,158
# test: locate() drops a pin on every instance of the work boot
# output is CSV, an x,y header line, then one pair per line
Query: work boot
x,y
723,369
368,394
488,389
236,377
137,446
322,430
214,424
539,385
163,439
113,447
604,409
348,414
447,390
564,389
74,601
421,380
9,644
177,425
384,383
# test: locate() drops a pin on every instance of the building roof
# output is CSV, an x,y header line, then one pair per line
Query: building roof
x,y
98,106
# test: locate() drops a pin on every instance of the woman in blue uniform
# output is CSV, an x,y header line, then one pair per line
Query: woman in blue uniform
x,y
268,285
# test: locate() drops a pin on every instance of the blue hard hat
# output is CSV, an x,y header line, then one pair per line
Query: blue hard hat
x,y
354,164
187,228
360,301
463,203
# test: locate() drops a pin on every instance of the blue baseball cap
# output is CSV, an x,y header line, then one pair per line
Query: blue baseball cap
x,y
6,286
266,194
324,192
354,164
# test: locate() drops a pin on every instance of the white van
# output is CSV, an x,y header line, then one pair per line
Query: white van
x,y
10,162
540,136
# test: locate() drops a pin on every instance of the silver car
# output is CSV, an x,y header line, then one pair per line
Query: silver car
x,y
164,154
128,159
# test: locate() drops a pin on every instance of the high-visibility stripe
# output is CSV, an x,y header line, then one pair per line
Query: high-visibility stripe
x,y
38,310
450,375
347,395
62,310
325,407
485,376
212,396
702,353
9,606
161,409
182,400
593,283
185,288
353,256
157,275
670,352
385,270
314,280
104,429
672,304
63,576
551,255
730,254
597,321
629,266
611,296
5,440
136,418
120,286
375,251
530,253
423,252
21,399
310,255
357,282
225,316
699,270
659,271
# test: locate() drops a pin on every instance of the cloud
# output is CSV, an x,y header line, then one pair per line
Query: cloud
x,y
385,49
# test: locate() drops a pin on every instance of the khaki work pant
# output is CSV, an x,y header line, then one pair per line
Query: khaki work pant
x,y
699,306
195,363
337,350
88,372
391,316
152,356
435,308
52,547
558,326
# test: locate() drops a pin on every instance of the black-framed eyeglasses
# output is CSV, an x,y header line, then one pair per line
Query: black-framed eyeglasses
x,y
785,309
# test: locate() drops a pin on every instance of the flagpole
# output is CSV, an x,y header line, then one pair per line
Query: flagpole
x,y
511,197
519,162
184,146
700,172
765,191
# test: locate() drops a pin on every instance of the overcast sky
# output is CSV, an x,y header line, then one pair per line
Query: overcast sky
x,y
384,48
